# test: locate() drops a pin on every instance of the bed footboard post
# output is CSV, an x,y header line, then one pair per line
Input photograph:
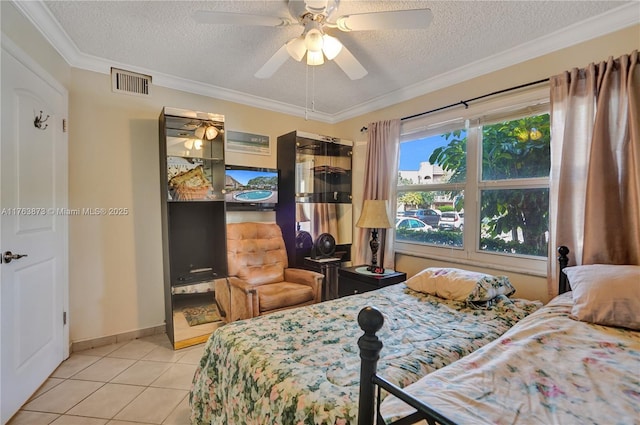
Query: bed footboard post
x,y
563,260
370,320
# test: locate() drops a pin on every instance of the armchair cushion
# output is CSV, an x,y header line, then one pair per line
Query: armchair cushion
x,y
256,252
283,295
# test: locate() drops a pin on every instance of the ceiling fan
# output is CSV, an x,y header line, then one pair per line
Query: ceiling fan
x,y
316,17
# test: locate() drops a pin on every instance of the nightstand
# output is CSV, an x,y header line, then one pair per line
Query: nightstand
x,y
355,280
329,268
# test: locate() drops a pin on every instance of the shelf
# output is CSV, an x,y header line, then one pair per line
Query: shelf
x,y
206,286
194,179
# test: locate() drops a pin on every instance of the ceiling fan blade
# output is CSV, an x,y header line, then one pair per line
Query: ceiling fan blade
x,y
397,19
211,17
349,64
274,63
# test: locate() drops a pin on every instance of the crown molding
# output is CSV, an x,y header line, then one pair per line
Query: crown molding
x,y
44,21
14,50
190,86
611,21
616,19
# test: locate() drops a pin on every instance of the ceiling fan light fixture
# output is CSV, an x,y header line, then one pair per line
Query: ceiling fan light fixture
x,y
313,40
315,58
211,132
204,131
331,46
297,48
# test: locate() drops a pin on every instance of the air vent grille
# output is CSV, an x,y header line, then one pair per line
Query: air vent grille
x,y
130,82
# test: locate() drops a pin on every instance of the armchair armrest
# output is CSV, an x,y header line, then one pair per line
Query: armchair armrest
x,y
243,300
306,277
242,285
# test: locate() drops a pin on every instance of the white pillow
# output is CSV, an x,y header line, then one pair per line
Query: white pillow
x,y
461,285
606,294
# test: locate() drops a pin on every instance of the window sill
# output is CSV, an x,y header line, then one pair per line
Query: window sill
x,y
530,271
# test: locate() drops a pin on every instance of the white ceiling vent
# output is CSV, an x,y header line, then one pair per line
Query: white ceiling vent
x,y
130,82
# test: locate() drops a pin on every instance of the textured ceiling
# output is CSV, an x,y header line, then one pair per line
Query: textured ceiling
x,y
163,39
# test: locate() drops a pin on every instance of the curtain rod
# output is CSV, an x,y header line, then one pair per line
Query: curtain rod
x,y
466,102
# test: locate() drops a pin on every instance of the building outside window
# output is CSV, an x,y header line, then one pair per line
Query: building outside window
x,y
485,174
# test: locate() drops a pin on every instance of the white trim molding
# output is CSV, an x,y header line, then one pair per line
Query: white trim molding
x,y
616,19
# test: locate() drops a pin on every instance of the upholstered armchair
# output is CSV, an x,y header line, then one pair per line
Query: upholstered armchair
x,y
260,280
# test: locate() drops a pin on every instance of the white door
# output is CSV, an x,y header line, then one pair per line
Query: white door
x,y
33,195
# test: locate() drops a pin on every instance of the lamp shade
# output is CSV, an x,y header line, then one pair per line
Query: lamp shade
x,y
313,40
331,46
211,132
374,215
315,58
296,48
206,131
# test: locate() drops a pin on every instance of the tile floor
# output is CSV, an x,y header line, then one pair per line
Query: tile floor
x,y
143,381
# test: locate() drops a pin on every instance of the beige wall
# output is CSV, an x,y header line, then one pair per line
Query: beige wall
x,y
115,262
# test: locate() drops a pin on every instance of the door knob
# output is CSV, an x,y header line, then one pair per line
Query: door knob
x,y
8,256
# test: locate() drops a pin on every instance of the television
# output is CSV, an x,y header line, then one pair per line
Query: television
x,y
250,188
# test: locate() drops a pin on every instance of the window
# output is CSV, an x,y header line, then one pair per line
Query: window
x,y
486,177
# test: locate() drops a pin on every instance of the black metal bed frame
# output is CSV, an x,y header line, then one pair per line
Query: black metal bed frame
x,y
371,320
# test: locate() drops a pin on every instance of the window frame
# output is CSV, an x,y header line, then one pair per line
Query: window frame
x,y
503,108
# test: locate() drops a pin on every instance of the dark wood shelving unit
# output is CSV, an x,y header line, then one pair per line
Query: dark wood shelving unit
x,y
315,171
192,173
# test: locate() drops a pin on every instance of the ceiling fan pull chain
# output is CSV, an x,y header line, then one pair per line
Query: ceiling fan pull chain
x,y
306,93
313,89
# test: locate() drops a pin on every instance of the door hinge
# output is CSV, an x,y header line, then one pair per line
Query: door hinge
x,y
64,125
64,317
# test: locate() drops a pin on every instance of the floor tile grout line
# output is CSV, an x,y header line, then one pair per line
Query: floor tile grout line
x,y
44,392
83,399
127,404
170,364
175,408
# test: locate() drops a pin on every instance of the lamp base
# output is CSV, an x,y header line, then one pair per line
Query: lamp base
x,y
365,271
374,245
375,269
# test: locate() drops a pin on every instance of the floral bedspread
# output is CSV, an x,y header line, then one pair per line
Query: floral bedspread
x,y
301,366
549,369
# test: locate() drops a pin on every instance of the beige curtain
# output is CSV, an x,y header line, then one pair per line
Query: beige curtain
x,y
324,219
380,181
595,164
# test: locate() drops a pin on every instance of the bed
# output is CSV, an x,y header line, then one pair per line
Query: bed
x,y
301,366
566,363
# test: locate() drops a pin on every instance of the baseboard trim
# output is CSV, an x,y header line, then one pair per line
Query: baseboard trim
x,y
112,339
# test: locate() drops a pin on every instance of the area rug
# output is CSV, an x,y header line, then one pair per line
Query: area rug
x,y
201,314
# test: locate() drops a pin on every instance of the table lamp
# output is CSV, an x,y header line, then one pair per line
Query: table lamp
x,y
374,216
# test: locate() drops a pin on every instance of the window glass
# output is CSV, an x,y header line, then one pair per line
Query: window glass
x,y
440,158
435,230
516,149
515,221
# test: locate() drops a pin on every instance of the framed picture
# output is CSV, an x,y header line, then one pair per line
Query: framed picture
x,y
248,143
